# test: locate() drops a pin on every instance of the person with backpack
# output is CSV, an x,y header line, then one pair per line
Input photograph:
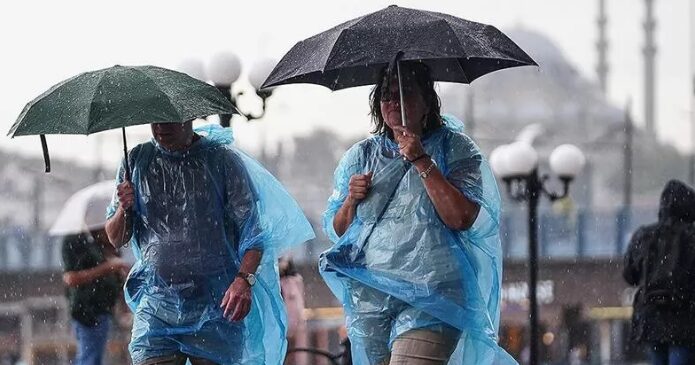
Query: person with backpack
x,y
660,261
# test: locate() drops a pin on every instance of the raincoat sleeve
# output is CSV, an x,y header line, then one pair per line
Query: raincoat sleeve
x,y
265,214
241,206
352,163
632,263
467,170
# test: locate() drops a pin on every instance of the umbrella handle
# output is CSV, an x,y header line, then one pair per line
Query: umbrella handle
x,y
46,157
127,221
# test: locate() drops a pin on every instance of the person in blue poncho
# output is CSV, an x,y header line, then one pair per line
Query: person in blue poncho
x,y
416,260
207,224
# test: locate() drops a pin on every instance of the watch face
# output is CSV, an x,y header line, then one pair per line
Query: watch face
x,y
251,279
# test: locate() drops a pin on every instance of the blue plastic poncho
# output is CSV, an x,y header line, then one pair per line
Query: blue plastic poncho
x,y
398,267
197,212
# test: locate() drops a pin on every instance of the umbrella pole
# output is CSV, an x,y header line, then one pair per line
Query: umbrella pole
x,y
400,94
46,158
125,156
128,212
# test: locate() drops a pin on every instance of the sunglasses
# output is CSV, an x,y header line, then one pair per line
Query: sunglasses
x,y
394,94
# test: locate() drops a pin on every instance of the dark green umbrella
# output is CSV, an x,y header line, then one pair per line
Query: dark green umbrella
x,y
118,97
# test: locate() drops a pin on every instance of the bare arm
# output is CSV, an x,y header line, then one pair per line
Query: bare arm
x,y
456,211
250,261
236,303
81,277
119,226
358,189
117,229
343,218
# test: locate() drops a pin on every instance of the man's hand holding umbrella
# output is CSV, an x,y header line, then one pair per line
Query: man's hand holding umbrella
x,y
119,229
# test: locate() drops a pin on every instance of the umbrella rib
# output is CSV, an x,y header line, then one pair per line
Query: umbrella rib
x,y
458,59
91,103
178,112
28,106
340,35
333,48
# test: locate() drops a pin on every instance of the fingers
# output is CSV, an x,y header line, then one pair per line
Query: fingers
x,y
228,303
359,185
409,144
125,186
242,309
360,181
359,193
400,130
126,194
236,303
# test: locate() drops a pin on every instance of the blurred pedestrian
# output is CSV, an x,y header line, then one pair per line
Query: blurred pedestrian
x,y
660,261
93,275
292,289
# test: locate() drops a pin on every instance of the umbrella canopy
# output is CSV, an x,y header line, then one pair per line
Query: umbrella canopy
x,y
118,97
85,210
355,52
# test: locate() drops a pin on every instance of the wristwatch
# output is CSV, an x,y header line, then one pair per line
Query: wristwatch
x,y
425,174
250,278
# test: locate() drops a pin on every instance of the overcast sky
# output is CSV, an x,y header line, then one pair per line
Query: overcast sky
x,y
44,42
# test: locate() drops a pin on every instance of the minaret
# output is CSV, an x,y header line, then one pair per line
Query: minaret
x,y
649,68
602,47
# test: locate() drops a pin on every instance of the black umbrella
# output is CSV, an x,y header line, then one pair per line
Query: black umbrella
x,y
355,52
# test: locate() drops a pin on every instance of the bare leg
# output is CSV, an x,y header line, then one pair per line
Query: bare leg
x,y
422,347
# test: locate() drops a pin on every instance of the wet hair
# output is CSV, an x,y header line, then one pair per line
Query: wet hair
x,y
413,73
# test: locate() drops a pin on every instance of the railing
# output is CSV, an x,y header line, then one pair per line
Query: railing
x,y
24,250
342,358
578,234
38,331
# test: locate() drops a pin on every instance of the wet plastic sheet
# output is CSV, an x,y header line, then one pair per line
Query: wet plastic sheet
x,y
397,267
197,213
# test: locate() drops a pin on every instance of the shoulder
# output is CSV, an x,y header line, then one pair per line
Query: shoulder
x,y
458,139
137,151
227,158
365,144
75,245
457,146
361,148
644,234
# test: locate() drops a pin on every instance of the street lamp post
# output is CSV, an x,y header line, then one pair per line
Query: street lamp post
x,y
517,165
224,70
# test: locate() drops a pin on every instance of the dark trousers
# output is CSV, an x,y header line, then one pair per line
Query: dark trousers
x,y
665,354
